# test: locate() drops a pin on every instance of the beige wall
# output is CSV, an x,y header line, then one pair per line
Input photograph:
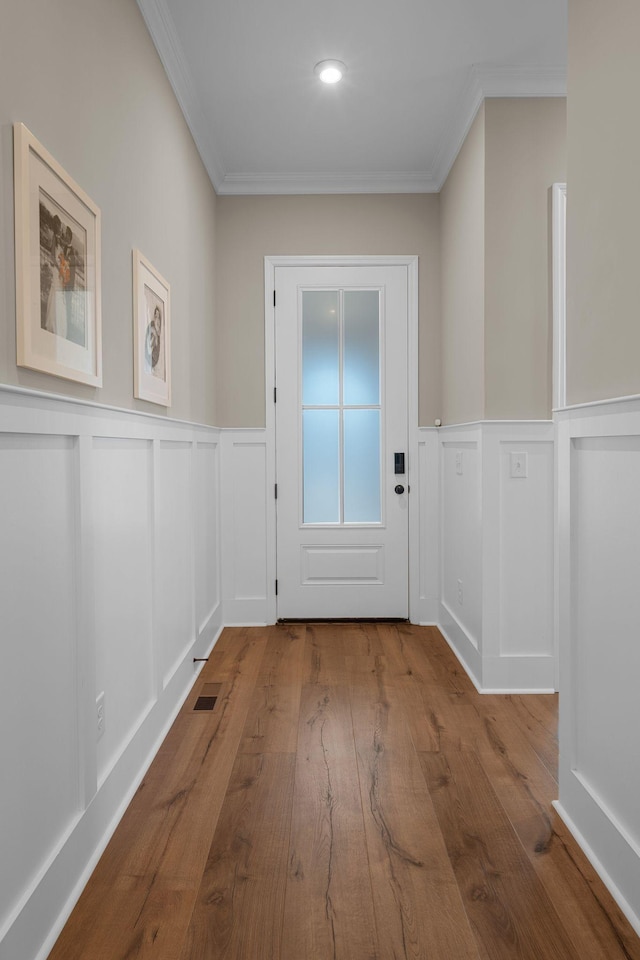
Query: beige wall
x,y
462,251
603,201
525,153
250,228
496,262
86,80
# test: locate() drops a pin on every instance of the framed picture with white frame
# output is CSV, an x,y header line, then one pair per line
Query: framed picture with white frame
x,y
58,316
151,333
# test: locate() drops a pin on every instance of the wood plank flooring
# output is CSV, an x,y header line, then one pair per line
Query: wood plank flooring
x,y
350,797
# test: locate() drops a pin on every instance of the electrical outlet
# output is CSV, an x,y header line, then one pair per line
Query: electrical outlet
x,y
100,715
460,592
519,466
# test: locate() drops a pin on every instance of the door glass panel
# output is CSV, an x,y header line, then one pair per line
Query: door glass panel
x,y
341,413
362,466
320,347
321,466
361,347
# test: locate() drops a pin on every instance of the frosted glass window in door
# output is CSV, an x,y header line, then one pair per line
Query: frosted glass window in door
x,y
320,347
361,466
321,472
341,411
361,347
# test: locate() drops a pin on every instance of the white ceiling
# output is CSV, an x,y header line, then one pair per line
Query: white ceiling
x,y
242,71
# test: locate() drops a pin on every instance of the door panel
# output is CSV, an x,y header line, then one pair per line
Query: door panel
x,y
341,415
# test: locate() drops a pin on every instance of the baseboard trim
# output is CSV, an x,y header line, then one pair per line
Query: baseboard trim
x,y
246,613
518,674
500,675
607,826
424,612
461,645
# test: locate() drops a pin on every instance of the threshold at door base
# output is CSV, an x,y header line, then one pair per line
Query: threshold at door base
x,y
343,620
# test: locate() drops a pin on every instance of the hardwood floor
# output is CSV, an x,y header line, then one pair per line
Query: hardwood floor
x,y
350,797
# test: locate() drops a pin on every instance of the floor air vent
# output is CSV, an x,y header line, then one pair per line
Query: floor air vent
x,y
205,703
208,697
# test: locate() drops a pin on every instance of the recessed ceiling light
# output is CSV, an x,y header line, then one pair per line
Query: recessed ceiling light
x,y
330,71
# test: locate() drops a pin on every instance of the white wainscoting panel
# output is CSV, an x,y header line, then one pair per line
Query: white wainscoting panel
x,y
424,527
497,549
248,529
39,750
518,556
461,543
174,521
207,526
104,516
599,529
123,589
526,551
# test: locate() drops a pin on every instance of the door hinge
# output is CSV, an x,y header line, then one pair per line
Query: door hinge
x,y
275,393
274,298
276,490
276,588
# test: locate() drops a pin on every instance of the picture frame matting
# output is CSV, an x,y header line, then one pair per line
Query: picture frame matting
x,y
151,333
58,292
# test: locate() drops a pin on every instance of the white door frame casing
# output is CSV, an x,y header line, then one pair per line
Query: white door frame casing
x,y
411,263
559,285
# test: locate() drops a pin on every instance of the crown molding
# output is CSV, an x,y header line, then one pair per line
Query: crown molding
x,y
469,102
505,80
254,184
483,81
490,81
162,29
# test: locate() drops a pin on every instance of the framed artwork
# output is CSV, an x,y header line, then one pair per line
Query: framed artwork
x,y
151,333
58,316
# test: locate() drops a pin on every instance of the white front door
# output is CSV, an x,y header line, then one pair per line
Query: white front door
x,y
341,441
